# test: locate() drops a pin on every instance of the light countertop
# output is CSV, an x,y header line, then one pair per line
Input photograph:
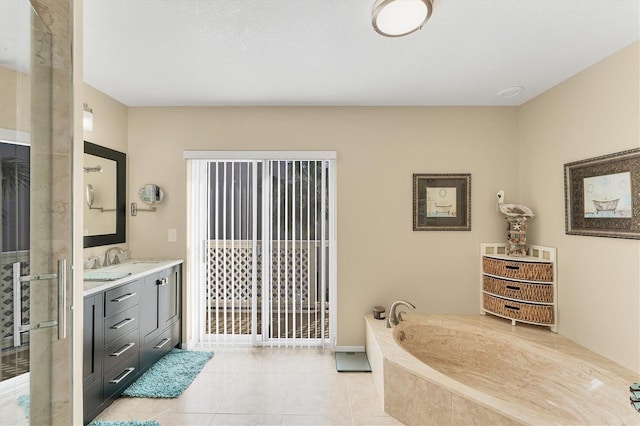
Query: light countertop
x,y
135,268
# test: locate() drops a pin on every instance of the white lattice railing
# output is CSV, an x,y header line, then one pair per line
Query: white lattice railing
x,y
7,259
294,273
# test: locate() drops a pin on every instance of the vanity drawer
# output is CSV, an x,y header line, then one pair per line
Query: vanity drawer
x,y
531,292
120,324
530,271
526,312
120,349
161,345
121,298
120,376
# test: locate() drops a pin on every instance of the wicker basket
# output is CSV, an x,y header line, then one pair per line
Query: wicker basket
x,y
539,314
542,293
531,271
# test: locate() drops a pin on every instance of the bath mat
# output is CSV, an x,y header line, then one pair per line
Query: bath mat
x,y
352,361
25,402
170,376
124,423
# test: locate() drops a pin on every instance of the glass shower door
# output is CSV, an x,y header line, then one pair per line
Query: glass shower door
x,y
35,235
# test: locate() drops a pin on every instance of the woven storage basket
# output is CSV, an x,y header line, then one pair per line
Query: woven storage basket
x,y
542,293
540,314
532,271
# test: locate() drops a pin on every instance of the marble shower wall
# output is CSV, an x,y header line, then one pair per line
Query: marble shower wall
x,y
52,135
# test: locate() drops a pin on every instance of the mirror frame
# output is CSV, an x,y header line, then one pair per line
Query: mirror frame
x,y
121,203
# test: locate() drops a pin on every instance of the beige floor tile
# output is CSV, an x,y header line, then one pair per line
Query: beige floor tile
x,y
204,395
116,413
375,421
247,419
183,419
255,393
294,420
265,386
318,395
144,405
363,397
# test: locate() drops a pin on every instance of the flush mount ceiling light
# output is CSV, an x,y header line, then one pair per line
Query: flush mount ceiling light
x,y
397,18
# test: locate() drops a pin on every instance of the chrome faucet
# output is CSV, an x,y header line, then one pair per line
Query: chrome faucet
x,y
394,319
107,256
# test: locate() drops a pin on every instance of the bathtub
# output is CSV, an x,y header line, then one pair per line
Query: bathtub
x,y
475,369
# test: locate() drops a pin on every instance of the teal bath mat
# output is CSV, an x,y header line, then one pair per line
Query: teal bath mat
x,y
124,423
25,402
352,361
170,376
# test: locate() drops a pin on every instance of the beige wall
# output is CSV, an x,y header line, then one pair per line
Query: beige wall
x,y
380,258
15,92
110,126
594,113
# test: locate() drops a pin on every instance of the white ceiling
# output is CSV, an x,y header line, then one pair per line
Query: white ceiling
x,y
325,52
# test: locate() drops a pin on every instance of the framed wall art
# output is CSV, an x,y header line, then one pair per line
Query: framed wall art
x,y
442,202
602,196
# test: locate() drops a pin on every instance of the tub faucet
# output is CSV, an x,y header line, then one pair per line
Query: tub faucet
x,y
107,256
394,319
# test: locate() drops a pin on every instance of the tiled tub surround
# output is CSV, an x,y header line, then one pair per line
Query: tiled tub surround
x,y
452,369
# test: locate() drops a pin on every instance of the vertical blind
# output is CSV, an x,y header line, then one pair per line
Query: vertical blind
x,y
267,269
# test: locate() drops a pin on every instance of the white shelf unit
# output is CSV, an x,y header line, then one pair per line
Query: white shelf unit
x,y
522,289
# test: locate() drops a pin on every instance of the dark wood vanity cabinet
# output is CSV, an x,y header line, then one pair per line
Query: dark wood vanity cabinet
x,y
127,328
92,354
160,326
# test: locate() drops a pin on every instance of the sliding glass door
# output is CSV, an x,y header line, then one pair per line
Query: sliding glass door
x,y
269,272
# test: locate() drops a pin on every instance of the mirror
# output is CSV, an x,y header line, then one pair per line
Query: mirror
x,y
105,203
151,194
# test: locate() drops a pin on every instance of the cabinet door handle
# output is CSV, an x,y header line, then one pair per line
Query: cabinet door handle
x,y
513,287
515,308
122,323
161,344
513,267
124,297
122,375
161,281
123,349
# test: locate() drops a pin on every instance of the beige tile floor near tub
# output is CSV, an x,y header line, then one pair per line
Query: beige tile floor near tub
x,y
264,386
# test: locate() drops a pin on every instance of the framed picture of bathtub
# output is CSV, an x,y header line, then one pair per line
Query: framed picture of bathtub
x,y
602,196
442,202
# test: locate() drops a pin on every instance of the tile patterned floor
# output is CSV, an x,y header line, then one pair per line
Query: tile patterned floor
x,y
264,386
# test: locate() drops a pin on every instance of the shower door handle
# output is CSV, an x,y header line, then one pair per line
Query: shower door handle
x,y
18,326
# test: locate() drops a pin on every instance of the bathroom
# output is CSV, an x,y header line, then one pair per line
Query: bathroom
x,y
520,149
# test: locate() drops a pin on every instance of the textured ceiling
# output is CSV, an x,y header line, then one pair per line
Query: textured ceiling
x,y
325,52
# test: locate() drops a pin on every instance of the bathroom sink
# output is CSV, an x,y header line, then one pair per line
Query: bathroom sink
x,y
134,266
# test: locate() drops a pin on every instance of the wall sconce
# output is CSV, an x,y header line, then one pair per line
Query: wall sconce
x,y
87,117
397,18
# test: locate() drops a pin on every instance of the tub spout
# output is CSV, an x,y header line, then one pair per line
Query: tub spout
x,y
393,319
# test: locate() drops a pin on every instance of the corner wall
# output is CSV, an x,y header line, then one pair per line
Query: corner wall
x,y
380,257
594,113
